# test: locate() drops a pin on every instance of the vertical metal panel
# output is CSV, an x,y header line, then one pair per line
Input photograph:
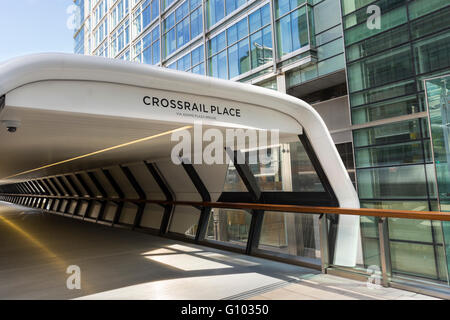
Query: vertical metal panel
x,y
165,188
201,188
88,191
72,183
131,178
119,192
103,193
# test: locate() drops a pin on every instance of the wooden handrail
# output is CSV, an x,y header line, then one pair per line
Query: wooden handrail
x,y
384,213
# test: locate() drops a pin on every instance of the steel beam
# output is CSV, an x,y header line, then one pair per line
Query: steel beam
x,y
165,188
120,194
141,194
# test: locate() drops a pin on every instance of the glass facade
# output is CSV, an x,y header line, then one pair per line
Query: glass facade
x,y
394,161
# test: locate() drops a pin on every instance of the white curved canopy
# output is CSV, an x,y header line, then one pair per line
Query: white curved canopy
x,y
72,104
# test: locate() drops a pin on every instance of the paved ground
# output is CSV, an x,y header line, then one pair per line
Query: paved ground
x,y
36,249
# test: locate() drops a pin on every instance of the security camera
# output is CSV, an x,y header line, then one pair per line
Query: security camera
x,y
11,125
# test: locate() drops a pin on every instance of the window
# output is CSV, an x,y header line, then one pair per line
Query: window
x,y
392,65
292,31
100,11
243,46
292,234
147,49
216,10
146,13
102,50
191,62
182,25
101,33
229,226
119,12
120,38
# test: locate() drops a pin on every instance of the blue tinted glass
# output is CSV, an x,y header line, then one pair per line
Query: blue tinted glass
x,y
147,40
233,63
212,46
169,22
196,56
221,41
267,42
242,28
155,34
148,55
299,28
180,34
171,45
265,14
284,26
187,61
256,44
180,64
232,34
213,67
281,7
186,30
244,57
196,23
156,52
194,4
219,10
146,17
181,11
255,21
230,6
155,9
202,53
267,37
222,61
172,66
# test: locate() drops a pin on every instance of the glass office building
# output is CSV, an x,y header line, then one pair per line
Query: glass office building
x,y
374,87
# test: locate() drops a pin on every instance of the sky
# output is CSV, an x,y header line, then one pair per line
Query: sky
x,y
32,26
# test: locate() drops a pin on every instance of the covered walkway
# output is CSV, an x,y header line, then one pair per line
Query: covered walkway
x,y
117,263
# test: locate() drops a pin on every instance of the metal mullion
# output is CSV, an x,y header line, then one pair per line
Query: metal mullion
x,y
274,40
51,192
243,169
142,196
47,192
89,193
79,194
103,194
120,194
206,197
31,192
67,191
44,192
22,199
27,192
60,192
37,191
165,188
40,200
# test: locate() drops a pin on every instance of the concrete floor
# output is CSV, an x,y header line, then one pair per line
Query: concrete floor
x,y
36,249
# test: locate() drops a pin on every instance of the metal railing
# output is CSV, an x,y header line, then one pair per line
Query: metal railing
x,y
42,201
